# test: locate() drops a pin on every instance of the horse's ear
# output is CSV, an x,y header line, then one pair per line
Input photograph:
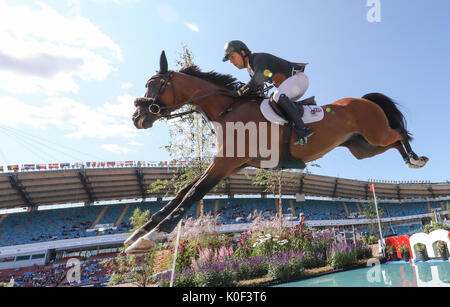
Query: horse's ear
x,y
163,66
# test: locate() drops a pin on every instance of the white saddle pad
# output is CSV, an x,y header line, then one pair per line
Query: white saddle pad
x,y
312,114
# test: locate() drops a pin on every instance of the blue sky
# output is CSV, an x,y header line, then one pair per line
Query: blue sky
x,y
70,70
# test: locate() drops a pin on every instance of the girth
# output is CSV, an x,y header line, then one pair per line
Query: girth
x,y
287,161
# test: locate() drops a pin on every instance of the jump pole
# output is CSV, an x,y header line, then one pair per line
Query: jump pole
x,y
372,187
175,255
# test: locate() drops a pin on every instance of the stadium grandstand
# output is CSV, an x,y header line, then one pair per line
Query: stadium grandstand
x,y
50,213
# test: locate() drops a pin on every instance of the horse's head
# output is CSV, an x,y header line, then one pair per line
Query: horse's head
x,y
158,100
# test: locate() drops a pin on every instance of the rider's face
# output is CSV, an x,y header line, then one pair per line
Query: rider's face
x,y
236,60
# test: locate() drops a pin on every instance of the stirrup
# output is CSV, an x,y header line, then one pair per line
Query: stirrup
x,y
302,141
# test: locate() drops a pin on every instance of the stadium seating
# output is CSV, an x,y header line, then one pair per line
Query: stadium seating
x,y
50,225
91,271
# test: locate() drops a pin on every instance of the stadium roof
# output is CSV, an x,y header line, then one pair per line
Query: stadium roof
x,y
89,185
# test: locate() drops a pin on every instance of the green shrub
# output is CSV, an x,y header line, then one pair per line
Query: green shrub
x,y
441,246
420,247
372,240
403,249
225,278
363,252
391,249
185,280
342,259
251,270
286,271
311,261
435,226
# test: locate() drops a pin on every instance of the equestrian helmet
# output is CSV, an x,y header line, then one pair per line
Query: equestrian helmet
x,y
235,46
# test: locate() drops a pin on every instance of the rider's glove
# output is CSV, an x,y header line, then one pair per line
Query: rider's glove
x,y
235,94
243,90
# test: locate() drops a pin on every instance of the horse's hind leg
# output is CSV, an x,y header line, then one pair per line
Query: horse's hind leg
x,y
372,123
361,149
415,160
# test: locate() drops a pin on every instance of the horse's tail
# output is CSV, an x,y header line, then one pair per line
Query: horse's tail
x,y
396,119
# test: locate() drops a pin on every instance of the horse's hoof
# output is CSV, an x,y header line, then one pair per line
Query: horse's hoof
x,y
410,165
420,162
146,243
141,246
134,237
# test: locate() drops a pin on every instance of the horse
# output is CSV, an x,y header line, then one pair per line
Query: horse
x,y
367,126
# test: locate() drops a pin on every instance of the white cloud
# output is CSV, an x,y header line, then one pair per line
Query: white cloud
x,y
114,148
123,108
136,144
79,120
192,26
127,86
28,35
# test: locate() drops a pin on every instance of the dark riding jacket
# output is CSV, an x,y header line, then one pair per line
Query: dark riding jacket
x,y
265,67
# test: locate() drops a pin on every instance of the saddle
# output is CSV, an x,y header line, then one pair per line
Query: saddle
x,y
311,101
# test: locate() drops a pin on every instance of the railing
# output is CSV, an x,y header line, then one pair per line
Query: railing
x,y
81,165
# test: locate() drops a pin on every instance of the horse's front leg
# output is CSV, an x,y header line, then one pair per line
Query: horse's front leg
x,y
219,169
156,218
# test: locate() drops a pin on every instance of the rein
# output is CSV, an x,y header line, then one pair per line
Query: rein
x,y
165,111
157,108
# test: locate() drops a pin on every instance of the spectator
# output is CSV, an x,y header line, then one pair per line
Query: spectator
x,y
302,217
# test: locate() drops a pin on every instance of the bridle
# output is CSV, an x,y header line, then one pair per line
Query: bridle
x,y
155,90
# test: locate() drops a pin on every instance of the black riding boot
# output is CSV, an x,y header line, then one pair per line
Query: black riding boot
x,y
293,115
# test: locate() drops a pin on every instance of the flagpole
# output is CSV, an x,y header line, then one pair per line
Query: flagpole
x,y
378,217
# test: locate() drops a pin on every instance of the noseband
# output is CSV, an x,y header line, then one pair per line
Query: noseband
x,y
155,89
156,106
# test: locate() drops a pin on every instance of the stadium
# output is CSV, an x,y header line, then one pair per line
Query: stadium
x,y
237,205
56,212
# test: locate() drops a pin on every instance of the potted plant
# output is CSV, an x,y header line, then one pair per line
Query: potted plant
x,y
421,252
404,250
443,250
392,252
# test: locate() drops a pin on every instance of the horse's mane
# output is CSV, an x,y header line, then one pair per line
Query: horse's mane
x,y
212,76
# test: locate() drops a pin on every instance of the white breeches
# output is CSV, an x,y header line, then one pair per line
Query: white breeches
x,y
293,87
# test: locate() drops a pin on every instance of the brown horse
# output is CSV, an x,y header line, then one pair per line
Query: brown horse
x,y
367,127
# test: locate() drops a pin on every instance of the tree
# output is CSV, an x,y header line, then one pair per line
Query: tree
x,y
272,181
191,140
133,269
138,219
370,212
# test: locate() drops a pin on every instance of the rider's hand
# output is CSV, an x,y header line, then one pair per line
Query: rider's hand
x,y
235,94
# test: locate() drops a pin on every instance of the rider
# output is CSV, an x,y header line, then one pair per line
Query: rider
x,y
289,79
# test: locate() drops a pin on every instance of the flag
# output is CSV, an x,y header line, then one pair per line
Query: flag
x,y
41,166
53,165
372,187
65,165
28,167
